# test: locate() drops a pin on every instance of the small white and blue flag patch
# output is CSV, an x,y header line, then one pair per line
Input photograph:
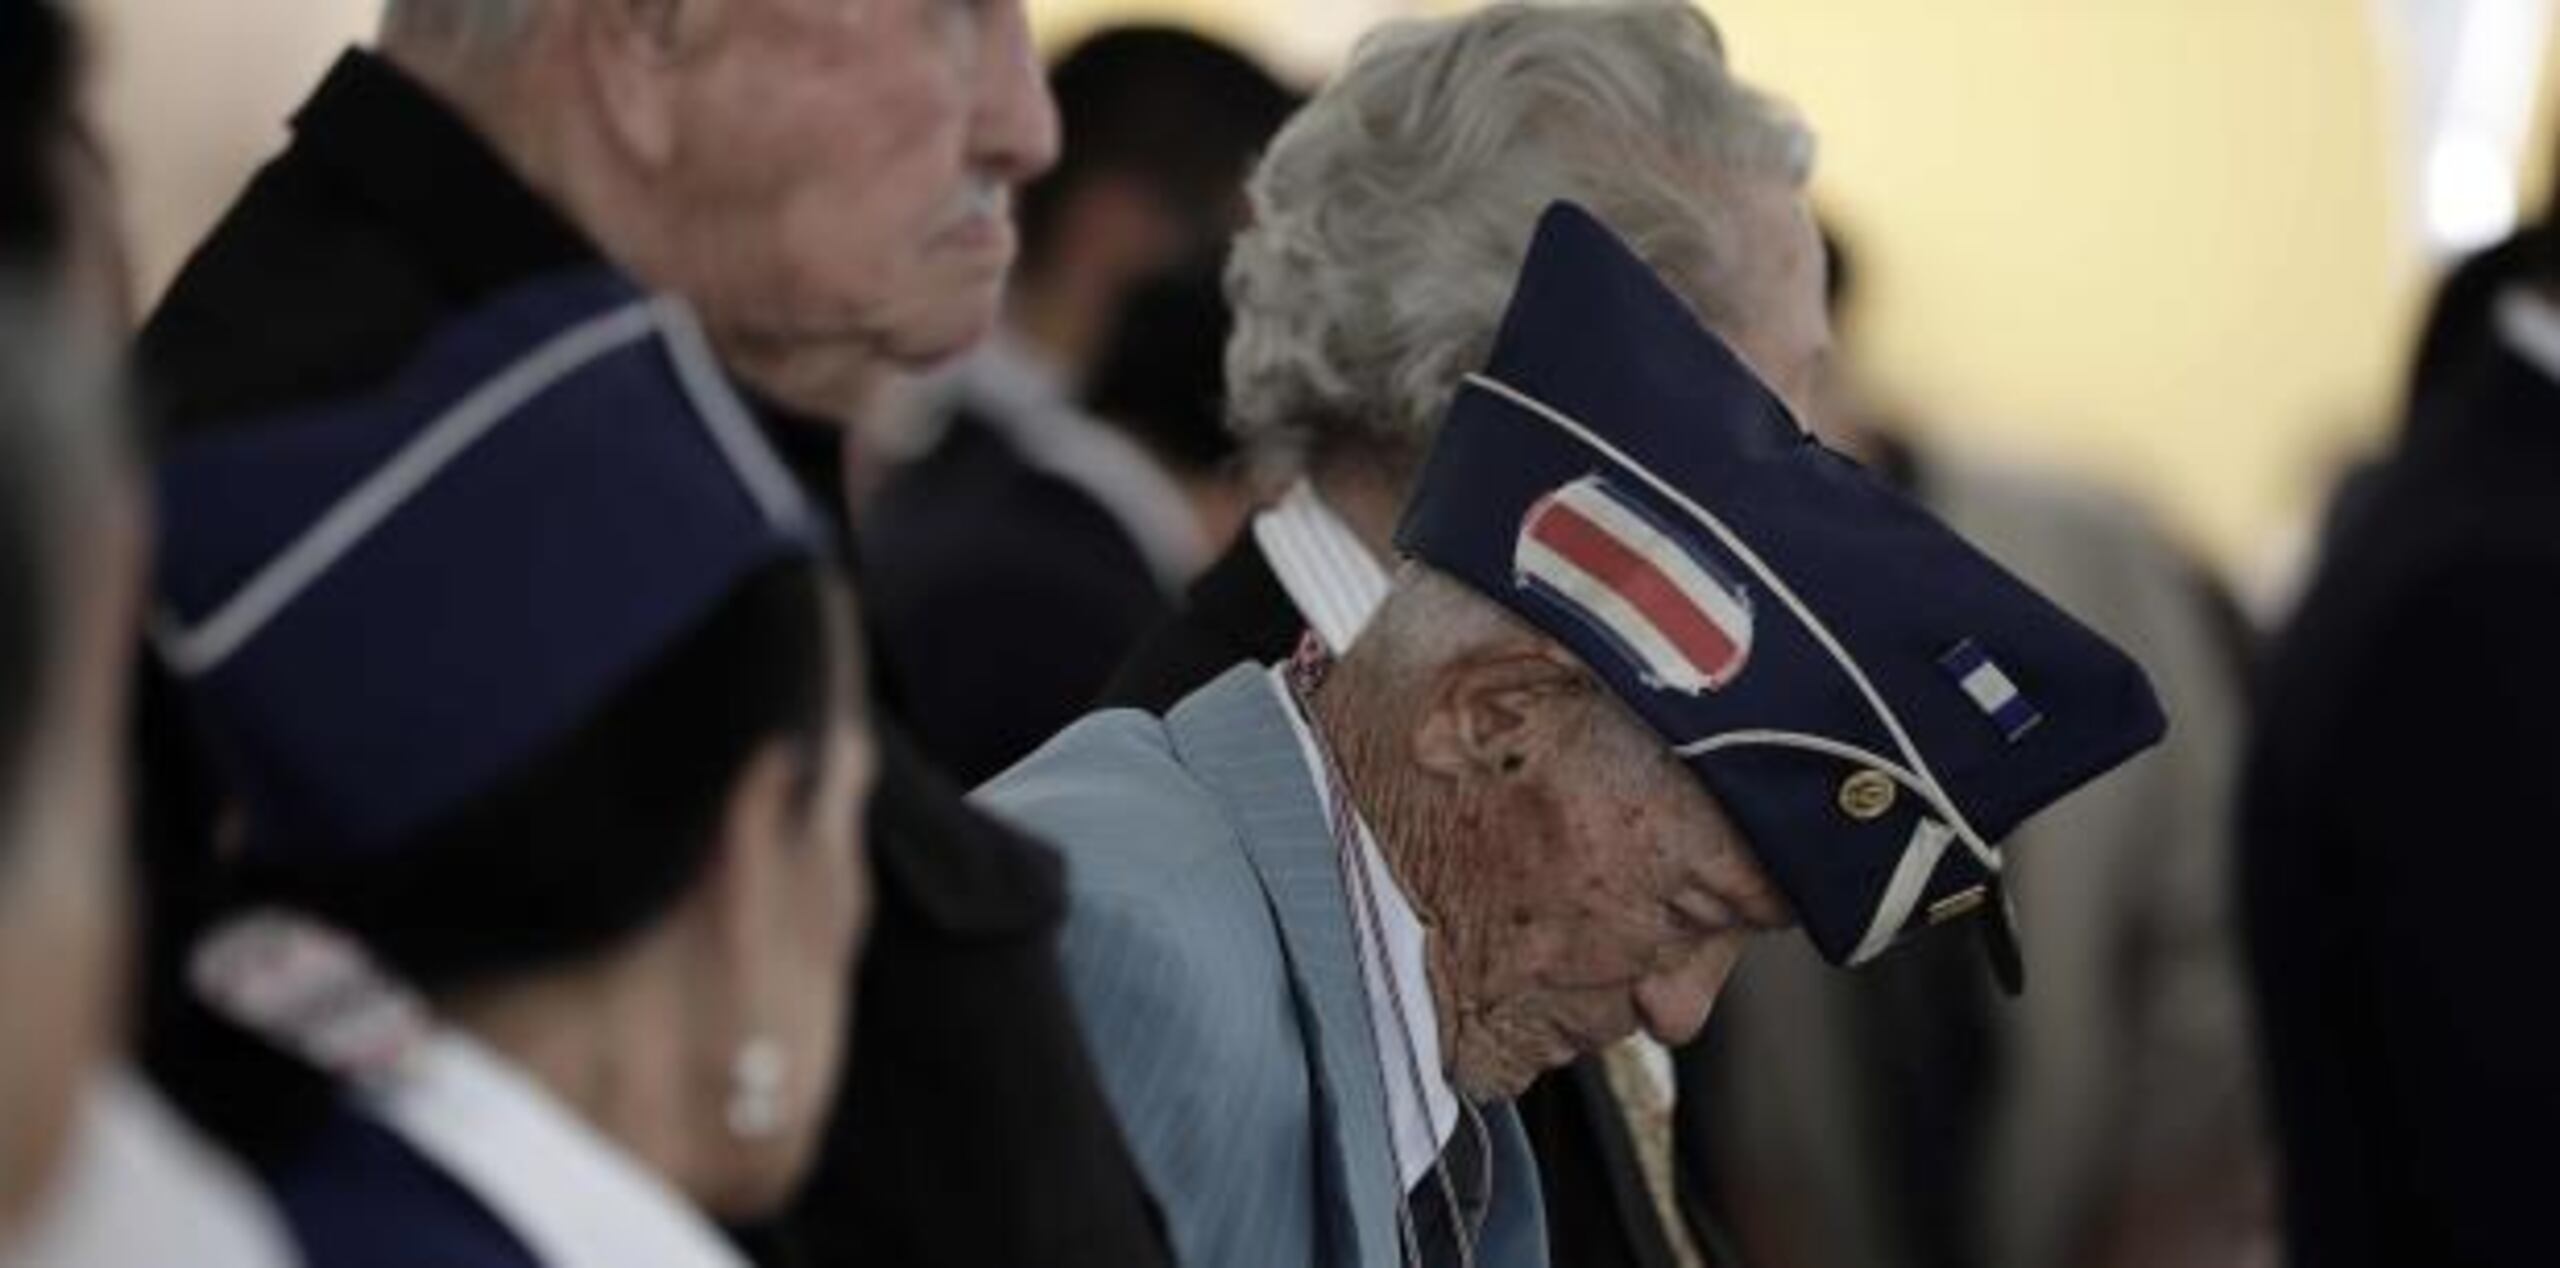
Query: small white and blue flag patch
x,y
1991,689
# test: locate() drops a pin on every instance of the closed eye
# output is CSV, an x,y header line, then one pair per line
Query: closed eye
x,y
1699,916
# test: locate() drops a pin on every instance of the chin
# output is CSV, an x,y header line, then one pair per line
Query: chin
x,y
1501,1076
1482,1086
942,335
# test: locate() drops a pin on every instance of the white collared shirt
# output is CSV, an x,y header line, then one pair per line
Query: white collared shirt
x,y
573,1197
1420,1129
1329,575
1337,585
2531,326
132,1156
1028,402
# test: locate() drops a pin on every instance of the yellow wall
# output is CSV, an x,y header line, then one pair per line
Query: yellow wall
x,y
2542,157
2152,240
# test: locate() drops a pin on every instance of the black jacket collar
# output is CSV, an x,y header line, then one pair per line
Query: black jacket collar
x,y
466,215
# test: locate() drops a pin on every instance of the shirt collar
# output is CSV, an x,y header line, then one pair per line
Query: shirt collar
x,y
2530,324
574,1198
1420,1129
1329,573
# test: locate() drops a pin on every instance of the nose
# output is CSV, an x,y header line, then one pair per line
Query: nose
x,y
1015,129
1673,1003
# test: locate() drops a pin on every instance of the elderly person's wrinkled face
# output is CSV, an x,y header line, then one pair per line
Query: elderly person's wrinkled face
x,y
1601,892
843,170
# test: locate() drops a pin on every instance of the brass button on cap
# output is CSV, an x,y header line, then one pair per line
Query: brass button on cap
x,y
1868,795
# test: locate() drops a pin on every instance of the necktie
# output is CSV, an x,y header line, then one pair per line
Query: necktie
x,y
1467,1161
1639,1095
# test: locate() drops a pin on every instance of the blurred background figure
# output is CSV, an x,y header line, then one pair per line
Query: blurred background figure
x,y
1013,562
83,1143
58,214
1162,379
1903,1117
2458,333
2400,809
70,569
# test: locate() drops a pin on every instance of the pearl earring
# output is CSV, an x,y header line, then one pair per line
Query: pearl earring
x,y
756,1077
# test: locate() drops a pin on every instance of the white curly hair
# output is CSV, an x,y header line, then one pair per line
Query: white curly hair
x,y
1392,212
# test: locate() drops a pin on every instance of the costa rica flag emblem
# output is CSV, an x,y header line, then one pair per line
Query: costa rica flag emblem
x,y
1659,601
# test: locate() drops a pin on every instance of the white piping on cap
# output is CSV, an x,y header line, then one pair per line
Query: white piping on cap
x,y
733,429
1910,880
198,650
1828,747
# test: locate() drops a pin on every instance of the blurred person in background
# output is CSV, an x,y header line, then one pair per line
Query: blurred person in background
x,y
1903,1117
535,683
827,183
59,220
1389,220
70,571
2458,332
1161,378
1032,536
73,564
2398,815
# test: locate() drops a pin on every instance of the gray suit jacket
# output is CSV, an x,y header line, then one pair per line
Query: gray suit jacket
x,y
1209,950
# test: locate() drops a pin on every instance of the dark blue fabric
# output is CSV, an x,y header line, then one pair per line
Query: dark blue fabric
x,y
358,1197
1594,335
559,554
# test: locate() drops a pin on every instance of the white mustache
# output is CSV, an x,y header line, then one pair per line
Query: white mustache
x,y
982,198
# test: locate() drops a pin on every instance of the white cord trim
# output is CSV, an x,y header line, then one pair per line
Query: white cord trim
x,y
193,652
1828,747
732,429
1910,880
1769,577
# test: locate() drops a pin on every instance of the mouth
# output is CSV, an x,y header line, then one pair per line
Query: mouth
x,y
980,221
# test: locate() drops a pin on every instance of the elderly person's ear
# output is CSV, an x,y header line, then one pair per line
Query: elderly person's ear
x,y
633,53
1499,713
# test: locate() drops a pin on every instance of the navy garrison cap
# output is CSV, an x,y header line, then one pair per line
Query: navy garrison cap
x,y
1873,702
387,604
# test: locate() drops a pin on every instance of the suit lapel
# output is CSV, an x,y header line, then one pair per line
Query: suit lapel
x,y
1515,1224
1232,736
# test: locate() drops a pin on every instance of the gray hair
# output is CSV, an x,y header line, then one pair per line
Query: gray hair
x,y
1392,213
1430,619
469,27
